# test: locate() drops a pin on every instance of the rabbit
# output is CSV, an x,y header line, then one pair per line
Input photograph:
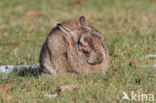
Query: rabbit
x,y
73,47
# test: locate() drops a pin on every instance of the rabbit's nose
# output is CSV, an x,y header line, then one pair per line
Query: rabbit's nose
x,y
99,57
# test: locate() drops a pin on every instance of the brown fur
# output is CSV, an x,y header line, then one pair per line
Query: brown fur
x,y
74,47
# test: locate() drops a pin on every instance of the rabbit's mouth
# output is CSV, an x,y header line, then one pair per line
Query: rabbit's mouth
x,y
95,58
93,63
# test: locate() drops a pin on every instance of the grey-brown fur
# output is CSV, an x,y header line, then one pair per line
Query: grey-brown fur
x,y
61,53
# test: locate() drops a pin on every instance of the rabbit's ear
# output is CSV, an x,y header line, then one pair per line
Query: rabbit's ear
x,y
65,30
67,35
82,21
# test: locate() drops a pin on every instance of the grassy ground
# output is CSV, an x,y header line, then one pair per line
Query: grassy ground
x,y
129,29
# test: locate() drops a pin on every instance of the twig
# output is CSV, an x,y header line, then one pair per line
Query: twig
x,y
148,66
62,89
150,56
7,69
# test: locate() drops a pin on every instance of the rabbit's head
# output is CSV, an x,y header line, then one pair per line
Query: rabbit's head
x,y
90,48
90,44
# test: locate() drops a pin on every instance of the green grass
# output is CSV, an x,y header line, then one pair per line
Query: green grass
x,y
129,29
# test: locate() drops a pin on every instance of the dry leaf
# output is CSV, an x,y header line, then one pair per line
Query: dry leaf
x,y
134,62
32,13
5,89
2,26
5,34
91,20
76,3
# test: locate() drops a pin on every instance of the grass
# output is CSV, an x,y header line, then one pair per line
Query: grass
x,y
129,29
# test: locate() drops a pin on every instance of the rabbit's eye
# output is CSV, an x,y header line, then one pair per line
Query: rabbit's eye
x,y
87,54
86,39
